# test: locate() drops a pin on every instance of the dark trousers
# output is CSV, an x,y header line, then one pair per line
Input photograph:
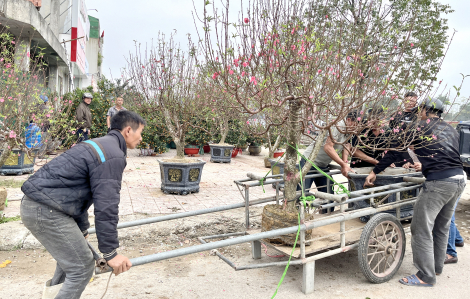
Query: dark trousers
x,y
60,235
81,135
319,181
432,214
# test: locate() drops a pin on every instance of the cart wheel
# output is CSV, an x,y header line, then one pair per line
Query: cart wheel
x,y
381,248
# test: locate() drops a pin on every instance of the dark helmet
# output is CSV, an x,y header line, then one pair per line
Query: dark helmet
x,y
433,105
87,95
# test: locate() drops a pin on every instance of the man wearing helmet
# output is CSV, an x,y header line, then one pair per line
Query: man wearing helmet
x,y
436,143
83,116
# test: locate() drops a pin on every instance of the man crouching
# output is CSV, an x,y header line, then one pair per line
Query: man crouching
x,y
58,196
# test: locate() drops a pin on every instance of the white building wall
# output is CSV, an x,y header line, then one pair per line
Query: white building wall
x,y
92,49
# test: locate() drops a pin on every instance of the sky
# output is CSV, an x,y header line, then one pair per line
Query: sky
x,y
143,19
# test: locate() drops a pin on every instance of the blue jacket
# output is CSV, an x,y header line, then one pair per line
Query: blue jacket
x,y
80,177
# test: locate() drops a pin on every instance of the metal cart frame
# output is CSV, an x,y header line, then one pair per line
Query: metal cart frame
x,y
393,233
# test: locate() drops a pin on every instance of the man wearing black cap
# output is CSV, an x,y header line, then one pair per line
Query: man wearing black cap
x,y
83,116
436,143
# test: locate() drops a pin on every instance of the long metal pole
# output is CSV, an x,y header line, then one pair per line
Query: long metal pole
x,y
188,214
302,233
380,188
254,183
247,207
342,227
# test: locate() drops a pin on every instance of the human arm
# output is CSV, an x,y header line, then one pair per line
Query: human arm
x,y
120,264
108,121
331,152
105,182
361,155
80,117
388,159
417,166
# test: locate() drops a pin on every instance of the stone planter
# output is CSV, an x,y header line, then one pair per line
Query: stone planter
x,y
18,163
221,153
181,178
254,150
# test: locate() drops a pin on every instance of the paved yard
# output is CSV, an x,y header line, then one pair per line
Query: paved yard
x,y
141,191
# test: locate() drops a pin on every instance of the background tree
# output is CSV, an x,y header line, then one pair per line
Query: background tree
x,y
166,77
24,118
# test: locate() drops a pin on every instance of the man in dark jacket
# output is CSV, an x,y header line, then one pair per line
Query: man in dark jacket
x,y
59,194
436,143
402,119
83,116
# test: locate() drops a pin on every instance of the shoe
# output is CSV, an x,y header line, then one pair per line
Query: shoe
x,y
459,244
452,260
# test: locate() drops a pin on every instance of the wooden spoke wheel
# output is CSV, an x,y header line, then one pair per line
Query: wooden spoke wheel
x,y
381,248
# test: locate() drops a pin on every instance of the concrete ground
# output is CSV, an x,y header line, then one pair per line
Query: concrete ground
x,y
203,275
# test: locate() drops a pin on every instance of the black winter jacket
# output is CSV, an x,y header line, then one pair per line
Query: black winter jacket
x,y
437,147
78,178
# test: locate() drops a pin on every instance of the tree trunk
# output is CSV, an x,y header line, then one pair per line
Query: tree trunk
x,y
177,132
179,147
224,132
274,147
291,173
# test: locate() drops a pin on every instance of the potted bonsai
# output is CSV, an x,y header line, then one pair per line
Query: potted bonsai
x,y
166,77
224,123
255,145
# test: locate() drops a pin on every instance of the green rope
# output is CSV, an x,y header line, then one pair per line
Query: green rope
x,y
304,199
343,190
288,262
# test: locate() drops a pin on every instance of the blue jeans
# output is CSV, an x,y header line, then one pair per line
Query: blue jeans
x,y
454,236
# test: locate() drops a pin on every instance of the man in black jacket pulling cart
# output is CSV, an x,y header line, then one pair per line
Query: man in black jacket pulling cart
x,y
58,196
436,143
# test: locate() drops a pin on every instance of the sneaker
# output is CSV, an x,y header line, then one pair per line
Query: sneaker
x,y
452,260
459,244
